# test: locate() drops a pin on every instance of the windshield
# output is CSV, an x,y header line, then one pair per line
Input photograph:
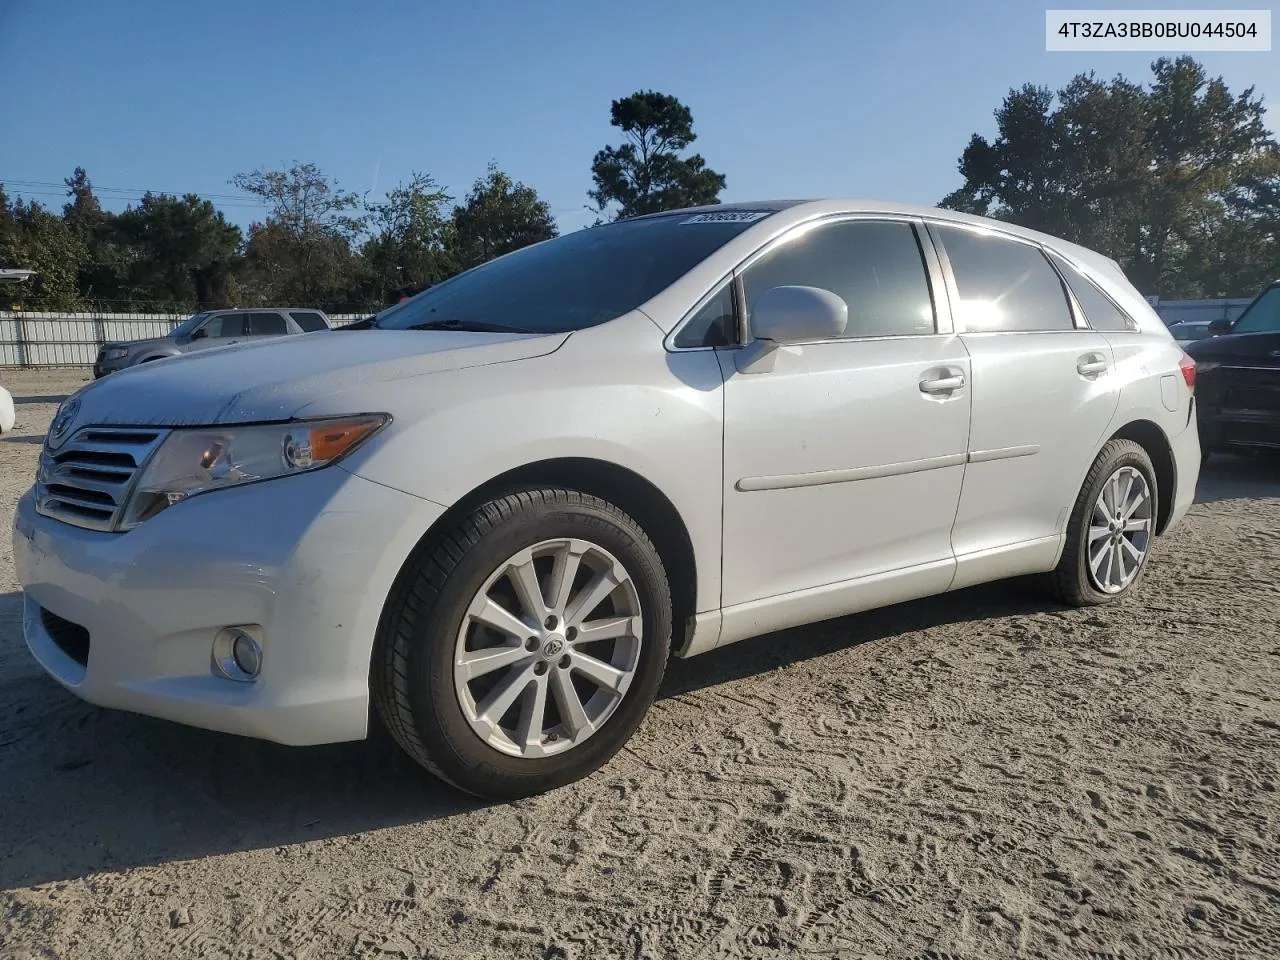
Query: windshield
x,y
576,281
1262,316
187,325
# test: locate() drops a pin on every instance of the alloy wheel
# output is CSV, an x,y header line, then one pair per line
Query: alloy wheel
x,y
1120,530
548,647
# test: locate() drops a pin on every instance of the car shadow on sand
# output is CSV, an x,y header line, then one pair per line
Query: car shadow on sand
x,y
1229,476
85,790
43,398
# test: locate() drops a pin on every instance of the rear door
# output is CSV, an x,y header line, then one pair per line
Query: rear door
x,y
1044,394
267,324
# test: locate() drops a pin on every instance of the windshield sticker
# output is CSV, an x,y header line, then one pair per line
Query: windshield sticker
x,y
729,216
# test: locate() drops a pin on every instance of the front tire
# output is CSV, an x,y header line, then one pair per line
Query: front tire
x,y
521,650
1112,526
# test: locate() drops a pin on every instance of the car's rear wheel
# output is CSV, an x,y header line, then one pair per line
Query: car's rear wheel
x,y
1111,529
521,650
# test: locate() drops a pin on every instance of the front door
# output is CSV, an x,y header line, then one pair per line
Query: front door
x,y
218,331
846,458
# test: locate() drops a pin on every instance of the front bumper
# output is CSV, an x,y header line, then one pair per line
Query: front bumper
x,y
103,367
310,559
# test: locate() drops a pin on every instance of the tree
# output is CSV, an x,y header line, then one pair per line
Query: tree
x,y
302,253
646,174
102,272
184,253
35,238
498,216
407,247
1172,181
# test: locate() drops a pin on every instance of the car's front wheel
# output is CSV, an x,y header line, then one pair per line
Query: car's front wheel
x,y
1111,529
521,650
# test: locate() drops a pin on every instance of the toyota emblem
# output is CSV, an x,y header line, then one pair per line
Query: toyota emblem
x,y
63,420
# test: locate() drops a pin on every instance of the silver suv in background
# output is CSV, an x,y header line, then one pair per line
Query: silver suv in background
x,y
212,328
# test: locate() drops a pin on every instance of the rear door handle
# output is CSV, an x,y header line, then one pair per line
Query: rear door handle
x,y
942,384
1091,364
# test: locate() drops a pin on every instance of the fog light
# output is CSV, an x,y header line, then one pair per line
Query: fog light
x,y
237,654
247,654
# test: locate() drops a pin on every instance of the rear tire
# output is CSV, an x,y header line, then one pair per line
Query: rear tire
x,y
574,701
1108,546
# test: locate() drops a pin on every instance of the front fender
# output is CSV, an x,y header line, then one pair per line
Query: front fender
x,y
611,394
157,353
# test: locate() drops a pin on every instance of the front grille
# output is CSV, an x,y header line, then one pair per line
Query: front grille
x,y
86,481
71,638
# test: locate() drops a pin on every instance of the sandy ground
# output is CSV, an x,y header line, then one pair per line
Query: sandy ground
x,y
975,776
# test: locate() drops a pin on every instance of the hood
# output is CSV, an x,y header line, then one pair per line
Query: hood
x,y
273,379
1254,349
134,346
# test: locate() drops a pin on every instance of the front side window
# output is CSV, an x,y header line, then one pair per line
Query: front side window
x,y
576,281
1098,308
1004,286
1261,316
187,326
875,266
224,325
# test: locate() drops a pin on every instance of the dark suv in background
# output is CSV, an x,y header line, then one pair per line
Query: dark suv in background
x,y
1238,378
212,328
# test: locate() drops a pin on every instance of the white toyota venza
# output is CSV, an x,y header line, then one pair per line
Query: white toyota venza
x,y
495,515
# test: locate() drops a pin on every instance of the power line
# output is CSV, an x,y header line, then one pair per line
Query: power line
x,y
42,188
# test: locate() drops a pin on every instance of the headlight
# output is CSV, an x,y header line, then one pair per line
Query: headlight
x,y
115,353
197,461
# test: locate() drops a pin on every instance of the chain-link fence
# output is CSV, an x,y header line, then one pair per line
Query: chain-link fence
x,y
73,339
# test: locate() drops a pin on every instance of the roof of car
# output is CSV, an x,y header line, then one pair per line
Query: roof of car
x,y
815,207
243,309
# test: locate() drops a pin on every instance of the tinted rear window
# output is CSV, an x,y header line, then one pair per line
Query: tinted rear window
x,y
578,280
1098,309
1004,285
268,325
310,322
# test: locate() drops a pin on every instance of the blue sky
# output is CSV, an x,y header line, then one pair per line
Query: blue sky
x,y
799,98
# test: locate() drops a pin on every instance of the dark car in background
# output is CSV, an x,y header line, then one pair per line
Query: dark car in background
x,y
211,328
1189,331
1238,378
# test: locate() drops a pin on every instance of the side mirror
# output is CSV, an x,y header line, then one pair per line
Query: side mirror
x,y
795,314
784,315
1218,327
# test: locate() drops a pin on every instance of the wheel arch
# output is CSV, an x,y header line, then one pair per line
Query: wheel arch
x,y
1155,442
635,495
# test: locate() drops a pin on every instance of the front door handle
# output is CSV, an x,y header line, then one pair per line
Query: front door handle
x,y
1091,364
943,384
